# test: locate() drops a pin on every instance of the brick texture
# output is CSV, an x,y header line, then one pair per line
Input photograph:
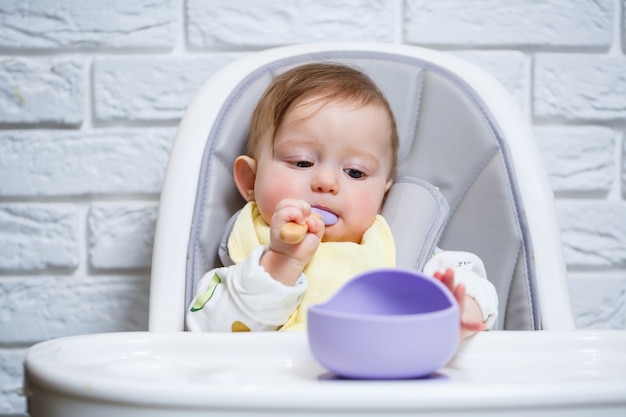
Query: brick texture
x,y
516,23
580,86
248,23
120,236
41,308
11,371
593,232
598,300
35,237
77,24
29,85
579,158
60,162
140,89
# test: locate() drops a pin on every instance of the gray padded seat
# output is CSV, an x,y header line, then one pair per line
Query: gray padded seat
x,y
447,138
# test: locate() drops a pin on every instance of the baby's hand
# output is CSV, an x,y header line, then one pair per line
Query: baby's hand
x,y
471,315
286,259
296,213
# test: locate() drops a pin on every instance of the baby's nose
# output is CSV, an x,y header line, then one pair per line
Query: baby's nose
x,y
325,181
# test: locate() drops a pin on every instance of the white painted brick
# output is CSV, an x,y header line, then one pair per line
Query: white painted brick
x,y
250,23
510,68
578,158
143,89
11,377
121,235
598,300
593,232
41,91
624,165
513,23
40,308
580,86
38,236
56,162
41,24
623,26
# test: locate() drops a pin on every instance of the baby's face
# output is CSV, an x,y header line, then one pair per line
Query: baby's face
x,y
336,156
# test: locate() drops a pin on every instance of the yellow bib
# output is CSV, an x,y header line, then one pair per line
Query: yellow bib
x,y
334,263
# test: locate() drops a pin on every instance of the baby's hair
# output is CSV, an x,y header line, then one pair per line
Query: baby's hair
x,y
329,82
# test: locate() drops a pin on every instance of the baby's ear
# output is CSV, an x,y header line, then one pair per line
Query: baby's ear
x,y
244,174
388,186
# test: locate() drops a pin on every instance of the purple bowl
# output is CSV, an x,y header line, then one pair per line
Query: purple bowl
x,y
386,324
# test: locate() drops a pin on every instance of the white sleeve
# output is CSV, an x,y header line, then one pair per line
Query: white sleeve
x,y
469,270
242,295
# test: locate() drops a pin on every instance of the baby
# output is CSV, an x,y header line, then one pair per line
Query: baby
x,y
322,140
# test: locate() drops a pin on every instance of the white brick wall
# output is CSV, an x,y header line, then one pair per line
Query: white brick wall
x,y
571,87
531,23
29,85
91,93
227,24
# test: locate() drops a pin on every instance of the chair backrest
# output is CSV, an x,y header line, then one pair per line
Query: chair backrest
x,y
459,131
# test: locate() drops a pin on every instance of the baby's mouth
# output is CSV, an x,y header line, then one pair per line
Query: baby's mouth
x,y
328,217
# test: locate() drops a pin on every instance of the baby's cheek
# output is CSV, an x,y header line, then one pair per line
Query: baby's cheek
x,y
268,197
266,202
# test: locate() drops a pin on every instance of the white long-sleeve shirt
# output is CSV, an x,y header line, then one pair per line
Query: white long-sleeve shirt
x,y
245,297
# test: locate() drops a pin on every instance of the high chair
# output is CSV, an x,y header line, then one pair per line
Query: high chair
x,y
470,178
461,137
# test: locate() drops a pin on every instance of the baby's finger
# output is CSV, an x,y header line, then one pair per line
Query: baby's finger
x,y
446,278
459,294
290,213
477,326
294,205
315,223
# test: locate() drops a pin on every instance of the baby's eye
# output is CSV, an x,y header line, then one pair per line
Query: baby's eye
x,y
303,164
354,173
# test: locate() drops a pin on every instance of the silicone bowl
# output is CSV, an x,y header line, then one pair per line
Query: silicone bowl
x,y
385,324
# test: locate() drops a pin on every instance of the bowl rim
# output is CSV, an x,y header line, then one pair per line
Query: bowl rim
x,y
319,310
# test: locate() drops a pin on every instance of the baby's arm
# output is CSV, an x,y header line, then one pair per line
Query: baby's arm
x,y
242,297
464,273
